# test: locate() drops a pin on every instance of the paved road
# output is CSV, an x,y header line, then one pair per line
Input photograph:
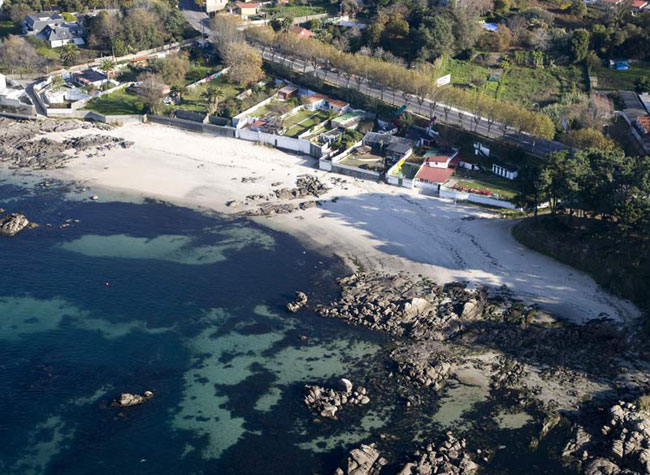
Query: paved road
x,y
446,114
194,16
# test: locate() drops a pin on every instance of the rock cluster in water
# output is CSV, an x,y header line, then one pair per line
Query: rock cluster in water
x,y
326,402
299,302
622,446
13,223
128,399
449,457
19,147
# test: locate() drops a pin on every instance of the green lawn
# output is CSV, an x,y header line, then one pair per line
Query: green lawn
x,y
301,10
8,27
520,85
193,99
486,181
303,121
117,103
610,79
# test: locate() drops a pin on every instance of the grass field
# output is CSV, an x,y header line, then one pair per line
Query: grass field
x,y
8,27
520,85
303,121
486,181
301,10
610,79
117,103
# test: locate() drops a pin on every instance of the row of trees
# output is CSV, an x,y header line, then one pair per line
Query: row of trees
x,y
418,81
243,61
593,182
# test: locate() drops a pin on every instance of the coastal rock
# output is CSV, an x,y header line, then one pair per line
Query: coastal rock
x,y
128,399
449,456
423,363
299,302
326,402
20,149
365,460
621,447
12,224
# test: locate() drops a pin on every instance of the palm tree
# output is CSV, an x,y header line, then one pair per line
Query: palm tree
x,y
69,53
212,95
108,66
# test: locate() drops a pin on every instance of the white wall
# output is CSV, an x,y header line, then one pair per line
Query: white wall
x,y
464,196
279,141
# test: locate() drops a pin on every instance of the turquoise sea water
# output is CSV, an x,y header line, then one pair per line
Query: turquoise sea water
x,y
149,296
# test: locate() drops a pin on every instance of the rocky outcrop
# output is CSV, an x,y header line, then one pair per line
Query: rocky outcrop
x,y
423,364
19,147
365,460
448,457
400,305
327,402
299,302
12,224
128,399
621,447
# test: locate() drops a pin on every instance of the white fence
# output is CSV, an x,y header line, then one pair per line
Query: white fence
x,y
207,79
484,200
278,141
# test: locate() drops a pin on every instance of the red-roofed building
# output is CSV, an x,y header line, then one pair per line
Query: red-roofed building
x,y
435,158
639,5
323,102
301,32
643,124
246,9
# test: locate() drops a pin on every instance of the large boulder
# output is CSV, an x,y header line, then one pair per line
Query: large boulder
x,y
12,224
128,399
365,460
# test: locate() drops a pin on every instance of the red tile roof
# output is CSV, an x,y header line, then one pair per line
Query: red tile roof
x,y
639,3
434,174
644,122
246,5
301,32
336,102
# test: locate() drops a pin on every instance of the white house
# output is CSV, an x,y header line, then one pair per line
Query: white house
x,y
59,35
436,158
320,101
505,171
215,5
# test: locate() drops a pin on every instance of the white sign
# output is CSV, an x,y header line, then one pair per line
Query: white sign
x,y
443,80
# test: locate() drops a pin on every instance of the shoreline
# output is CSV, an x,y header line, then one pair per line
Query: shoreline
x,y
367,224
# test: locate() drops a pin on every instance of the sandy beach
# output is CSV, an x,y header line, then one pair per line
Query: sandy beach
x,y
373,225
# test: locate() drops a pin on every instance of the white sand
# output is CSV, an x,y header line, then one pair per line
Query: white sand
x,y
372,224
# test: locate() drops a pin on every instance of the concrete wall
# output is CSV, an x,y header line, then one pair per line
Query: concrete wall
x,y
278,141
198,127
355,172
484,200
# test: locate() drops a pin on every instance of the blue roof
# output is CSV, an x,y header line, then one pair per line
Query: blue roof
x,y
621,65
491,26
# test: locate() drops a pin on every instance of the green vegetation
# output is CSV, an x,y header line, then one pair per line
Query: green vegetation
x,y
117,103
486,181
294,11
610,79
8,27
303,121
